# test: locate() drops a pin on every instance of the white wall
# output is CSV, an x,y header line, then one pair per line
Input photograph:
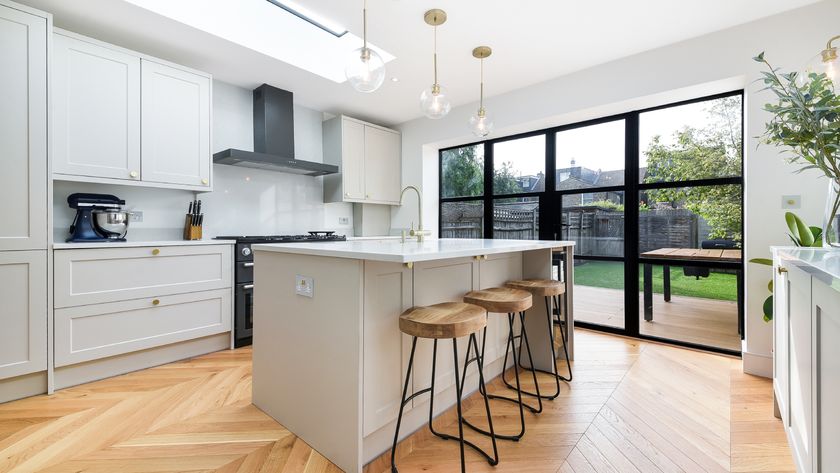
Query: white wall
x,y
714,63
244,201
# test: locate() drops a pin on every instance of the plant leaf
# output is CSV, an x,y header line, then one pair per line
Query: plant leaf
x,y
764,261
767,307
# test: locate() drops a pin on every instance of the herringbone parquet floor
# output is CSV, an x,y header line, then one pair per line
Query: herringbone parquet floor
x,y
633,407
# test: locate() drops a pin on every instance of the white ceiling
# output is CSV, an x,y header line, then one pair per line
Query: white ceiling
x,y
532,41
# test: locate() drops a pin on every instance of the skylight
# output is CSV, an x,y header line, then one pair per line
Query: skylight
x,y
295,37
313,18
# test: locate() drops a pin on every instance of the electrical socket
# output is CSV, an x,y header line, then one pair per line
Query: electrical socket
x,y
136,216
343,220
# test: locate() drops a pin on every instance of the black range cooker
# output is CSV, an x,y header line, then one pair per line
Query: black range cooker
x,y
244,276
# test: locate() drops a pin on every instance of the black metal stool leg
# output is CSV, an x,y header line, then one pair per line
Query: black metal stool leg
x,y
473,342
564,334
403,401
531,362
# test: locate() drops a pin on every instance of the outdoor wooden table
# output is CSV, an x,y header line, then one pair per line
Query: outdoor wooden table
x,y
688,255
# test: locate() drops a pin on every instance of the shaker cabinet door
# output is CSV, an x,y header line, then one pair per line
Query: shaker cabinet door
x,y
23,130
96,110
382,163
800,368
826,333
176,126
353,160
23,292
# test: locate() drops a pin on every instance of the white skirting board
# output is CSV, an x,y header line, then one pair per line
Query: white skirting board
x,y
23,386
758,365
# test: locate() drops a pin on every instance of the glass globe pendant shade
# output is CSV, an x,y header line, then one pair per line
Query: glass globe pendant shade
x,y
481,124
365,70
827,62
434,102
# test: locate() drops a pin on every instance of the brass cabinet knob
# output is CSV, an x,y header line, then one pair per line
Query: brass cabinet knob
x,y
782,270
134,174
156,302
155,252
205,181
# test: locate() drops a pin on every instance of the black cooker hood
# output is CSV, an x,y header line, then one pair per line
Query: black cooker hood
x,y
274,138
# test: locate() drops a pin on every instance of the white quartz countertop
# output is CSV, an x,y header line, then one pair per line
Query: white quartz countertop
x,y
136,244
410,251
821,262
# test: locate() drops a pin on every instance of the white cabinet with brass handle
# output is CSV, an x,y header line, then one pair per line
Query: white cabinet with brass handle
x,y
122,117
369,161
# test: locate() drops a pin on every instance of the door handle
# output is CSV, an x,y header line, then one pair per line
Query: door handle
x,y
248,265
248,286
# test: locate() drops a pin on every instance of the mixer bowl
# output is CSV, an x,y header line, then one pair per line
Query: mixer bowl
x,y
112,223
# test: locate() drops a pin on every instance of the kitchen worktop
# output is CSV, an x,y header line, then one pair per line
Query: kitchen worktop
x,y
819,262
138,243
396,251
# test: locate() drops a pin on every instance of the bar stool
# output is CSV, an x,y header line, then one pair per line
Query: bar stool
x,y
550,290
510,301
440,321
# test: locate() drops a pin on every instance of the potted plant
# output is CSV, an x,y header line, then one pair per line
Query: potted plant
x,y
806,122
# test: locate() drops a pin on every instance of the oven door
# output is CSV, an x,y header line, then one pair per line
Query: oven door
x,y
244,315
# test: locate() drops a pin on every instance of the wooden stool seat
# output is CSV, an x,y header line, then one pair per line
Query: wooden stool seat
x,y
506,300
539,287
446,320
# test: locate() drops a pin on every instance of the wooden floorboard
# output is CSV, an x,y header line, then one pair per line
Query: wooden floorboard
x,y
633,407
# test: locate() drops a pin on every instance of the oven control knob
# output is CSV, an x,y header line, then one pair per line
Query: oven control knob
x,y
246,251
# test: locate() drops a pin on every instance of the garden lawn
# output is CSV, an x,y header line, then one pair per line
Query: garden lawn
x,y
610,274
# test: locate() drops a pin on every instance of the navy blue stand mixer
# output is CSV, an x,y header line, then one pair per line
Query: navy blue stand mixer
x,y
99,217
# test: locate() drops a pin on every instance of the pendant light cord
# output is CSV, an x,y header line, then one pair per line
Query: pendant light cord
x,y
481,96
435,56
364,25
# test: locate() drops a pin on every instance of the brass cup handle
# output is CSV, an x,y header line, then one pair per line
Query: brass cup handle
x,y
155,252
782,270
156,302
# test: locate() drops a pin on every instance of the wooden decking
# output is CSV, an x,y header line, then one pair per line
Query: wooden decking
x,y
634,406
690,319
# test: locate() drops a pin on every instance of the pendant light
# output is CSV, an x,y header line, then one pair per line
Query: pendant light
x,y
365,69
826,62
481,124
433,100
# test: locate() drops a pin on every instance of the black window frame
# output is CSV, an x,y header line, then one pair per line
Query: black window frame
x,y
551,208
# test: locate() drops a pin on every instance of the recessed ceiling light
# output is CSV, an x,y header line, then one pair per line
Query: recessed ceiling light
x,y
309,16
395,79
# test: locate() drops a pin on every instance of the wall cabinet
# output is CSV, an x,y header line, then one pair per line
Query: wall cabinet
x,y
23,292
23,130
369,161
806,360
96,110
124,118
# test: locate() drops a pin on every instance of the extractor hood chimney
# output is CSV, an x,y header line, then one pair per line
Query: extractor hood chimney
x,y
274,138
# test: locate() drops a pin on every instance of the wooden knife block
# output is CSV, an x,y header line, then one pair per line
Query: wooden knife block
x,y
191,232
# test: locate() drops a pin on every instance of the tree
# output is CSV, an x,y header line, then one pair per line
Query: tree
x,y
463,172
504,180
710,152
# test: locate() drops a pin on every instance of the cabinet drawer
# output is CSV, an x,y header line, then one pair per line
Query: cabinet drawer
x,y
93,276
96,331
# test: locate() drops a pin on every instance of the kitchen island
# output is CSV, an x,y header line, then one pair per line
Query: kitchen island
x,y
329,358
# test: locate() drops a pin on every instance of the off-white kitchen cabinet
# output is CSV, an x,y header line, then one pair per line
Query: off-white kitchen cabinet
x,y
369,161
176,125
96,110
23,292
806,355
23,130
125,118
